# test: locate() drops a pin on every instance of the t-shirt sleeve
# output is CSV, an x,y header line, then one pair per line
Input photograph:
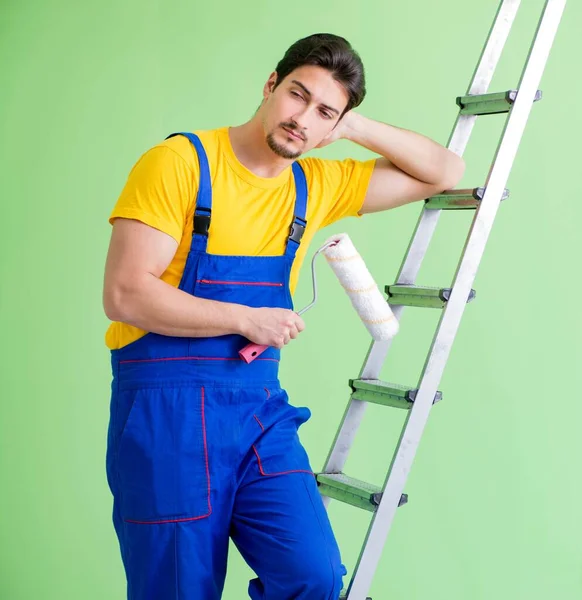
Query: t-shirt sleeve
x,y
159,192
344,184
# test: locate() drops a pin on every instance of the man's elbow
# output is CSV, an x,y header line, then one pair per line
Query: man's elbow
x,y
454,172
117,301
112,303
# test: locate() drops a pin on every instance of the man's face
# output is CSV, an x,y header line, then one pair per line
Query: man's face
x,y
302,110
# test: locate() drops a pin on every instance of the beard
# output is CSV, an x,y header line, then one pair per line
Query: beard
x,y
280,149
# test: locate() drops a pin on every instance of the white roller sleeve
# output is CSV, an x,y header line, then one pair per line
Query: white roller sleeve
x,y
360,286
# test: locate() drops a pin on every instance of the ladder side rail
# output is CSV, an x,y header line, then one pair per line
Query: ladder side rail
x,y
427,222
453,312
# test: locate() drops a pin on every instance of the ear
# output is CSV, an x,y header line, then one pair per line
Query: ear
x,y
268,88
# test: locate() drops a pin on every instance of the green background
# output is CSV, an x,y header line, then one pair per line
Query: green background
x,y
495,506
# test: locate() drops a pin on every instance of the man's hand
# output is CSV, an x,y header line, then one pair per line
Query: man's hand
x,y
340,131
272,326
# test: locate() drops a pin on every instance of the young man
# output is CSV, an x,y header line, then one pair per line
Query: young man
x,y
208,237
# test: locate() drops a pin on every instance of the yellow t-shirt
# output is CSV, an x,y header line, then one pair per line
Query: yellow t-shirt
x,y
251,215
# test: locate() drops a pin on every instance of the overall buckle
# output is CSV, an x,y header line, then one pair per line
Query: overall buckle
x,y
297,230
201,224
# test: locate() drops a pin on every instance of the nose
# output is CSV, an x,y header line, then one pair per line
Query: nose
x,y
300,119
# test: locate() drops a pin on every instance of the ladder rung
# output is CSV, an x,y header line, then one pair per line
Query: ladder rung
x,y
352,491
490,104
349,490
386,394
459,199
424,297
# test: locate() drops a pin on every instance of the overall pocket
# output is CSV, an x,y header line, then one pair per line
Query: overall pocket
x,y
278,449
256,281
162,460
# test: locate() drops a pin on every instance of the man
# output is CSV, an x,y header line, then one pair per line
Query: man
x,y
208,236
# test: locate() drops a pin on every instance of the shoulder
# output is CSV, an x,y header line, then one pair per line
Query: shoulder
x,y
338,187
179,147
334,173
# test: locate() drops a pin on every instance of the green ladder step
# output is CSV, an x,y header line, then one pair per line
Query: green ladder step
x,y
489,104
465,199
352,491
424,297
386,394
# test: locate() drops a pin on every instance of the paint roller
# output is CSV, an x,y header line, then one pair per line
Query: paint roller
x,y
366,298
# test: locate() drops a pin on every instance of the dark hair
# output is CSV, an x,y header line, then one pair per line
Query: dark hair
x,y
333,53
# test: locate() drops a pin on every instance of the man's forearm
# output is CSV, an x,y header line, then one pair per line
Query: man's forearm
x,y
413,153
153,305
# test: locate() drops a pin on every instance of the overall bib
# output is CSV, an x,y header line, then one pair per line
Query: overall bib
x,y
203,448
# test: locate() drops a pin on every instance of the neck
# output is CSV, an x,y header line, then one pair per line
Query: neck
x,y
251,149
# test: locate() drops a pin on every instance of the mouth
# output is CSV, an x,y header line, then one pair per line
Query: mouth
x,y
294,135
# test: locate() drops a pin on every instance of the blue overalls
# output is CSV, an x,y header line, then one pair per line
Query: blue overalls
x,y
202,447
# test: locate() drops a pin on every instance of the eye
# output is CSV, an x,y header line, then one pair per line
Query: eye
x,y
326,115
296,95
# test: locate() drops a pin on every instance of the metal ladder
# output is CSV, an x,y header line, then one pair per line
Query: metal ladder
x,y
418,401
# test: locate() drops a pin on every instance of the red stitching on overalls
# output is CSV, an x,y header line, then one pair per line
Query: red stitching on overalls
x,y
262,471
140,360
268,283
257,418
207,479
279,472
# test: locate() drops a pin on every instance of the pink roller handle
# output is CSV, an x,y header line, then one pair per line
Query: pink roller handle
x,y
251,351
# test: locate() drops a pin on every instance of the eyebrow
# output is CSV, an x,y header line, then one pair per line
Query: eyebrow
x,y
298,83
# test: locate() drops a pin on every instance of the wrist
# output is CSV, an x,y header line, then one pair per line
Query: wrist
x,y
241,319
353,124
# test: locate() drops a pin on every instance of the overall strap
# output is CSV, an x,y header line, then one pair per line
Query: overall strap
x,y
203,210
299,222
